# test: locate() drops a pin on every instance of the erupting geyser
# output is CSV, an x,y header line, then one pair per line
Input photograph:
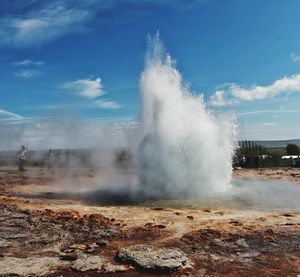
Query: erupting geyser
x,y
185,148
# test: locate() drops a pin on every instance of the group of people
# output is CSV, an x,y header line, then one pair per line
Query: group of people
x,y
255,161
50,159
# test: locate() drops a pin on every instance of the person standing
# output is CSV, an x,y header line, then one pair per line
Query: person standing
x,y
51,158
21,157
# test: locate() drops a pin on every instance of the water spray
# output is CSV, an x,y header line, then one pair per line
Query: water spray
x,y
185,148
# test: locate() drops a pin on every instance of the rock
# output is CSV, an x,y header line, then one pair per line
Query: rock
x,y
106,233
31,266
220,213
102,242
157,209
68,256
43,240
249,254
91,248
287,215
269,232
111,268
75,246
149,258
160,226
4,243
20,215
235,222
68,250
19,222
242,243
86,263
13,236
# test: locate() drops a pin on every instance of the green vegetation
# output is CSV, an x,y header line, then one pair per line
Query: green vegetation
x,y
250,154
292,149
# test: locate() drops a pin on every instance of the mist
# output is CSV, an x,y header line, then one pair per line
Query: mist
x,y
64,132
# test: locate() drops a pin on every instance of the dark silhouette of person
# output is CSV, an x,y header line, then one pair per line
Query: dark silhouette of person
x,y
21,157
51,158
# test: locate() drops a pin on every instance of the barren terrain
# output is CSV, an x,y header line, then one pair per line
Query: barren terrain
x,y
47,232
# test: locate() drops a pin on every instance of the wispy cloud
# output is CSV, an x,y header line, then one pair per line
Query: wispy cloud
x,y
28,73
41,25
87,88
236,93
295,57
6,116
28,62
35,22
250,113
105,104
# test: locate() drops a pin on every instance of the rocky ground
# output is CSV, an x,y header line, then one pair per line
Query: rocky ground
x,y
44,232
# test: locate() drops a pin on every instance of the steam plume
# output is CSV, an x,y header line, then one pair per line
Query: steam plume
x,y
185,148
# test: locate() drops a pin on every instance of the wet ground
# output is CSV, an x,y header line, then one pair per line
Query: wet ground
x,y
57,228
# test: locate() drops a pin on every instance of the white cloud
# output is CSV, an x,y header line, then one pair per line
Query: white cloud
x,y
236,93
40,26
295,57
91,89
105,104
87,88
28,73
219,99
284,85
28,62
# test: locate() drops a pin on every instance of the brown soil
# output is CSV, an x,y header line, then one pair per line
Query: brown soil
x,y
38,219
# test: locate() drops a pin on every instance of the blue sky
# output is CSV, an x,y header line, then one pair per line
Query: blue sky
x,y
85,58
